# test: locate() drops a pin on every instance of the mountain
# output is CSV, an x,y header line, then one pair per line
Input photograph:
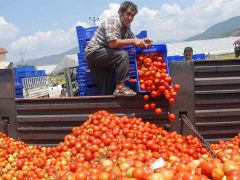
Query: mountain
x,y
227,28
52,59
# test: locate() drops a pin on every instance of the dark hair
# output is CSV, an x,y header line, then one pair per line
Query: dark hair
x,y
188,49
127,4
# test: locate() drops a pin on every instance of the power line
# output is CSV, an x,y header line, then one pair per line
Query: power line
x,y
94,20
22,57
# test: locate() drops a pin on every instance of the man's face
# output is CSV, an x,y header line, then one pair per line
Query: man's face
x,y
188,56
127,17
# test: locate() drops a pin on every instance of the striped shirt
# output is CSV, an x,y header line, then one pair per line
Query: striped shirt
x,y
109,30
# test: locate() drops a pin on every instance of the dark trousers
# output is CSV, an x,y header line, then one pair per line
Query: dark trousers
x,y
109,67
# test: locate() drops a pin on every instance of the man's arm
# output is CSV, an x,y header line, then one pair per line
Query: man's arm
x,y
140,43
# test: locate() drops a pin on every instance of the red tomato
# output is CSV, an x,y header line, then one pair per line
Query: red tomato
x,y
139,173
171,117
158,111
207,168
176,87
19,164
88,155
171,101
81,176
146,106
146,97
152,105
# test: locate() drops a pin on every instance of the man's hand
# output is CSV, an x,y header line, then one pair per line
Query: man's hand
x,y
147,41
143,43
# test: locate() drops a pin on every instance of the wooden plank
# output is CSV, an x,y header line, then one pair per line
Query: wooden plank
x,y
69,128
231,91
207,124
218,132
217,112
41,136
216,101
216,81
52,118
226,68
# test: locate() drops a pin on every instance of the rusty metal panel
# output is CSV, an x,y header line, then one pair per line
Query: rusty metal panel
x,y
7,103
210,96
182,73
47,121
7,84
217,98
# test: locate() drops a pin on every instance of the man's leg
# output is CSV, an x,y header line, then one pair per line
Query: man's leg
x,y
113,59
104,80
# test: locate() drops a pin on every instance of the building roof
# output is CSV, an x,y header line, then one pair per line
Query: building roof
x,y
2,50
212,46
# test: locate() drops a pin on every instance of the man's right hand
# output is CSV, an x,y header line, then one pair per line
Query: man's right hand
x,y
143,43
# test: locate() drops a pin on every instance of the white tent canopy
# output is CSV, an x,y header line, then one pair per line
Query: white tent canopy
x,y
211,46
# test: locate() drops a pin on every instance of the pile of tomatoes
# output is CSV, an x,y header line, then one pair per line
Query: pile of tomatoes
x,y
107,147
154,78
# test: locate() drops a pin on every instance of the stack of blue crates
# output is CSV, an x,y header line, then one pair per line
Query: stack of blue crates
x,y
25,72
86,81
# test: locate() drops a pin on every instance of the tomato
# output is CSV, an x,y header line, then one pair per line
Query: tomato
x,y
176,87
19,164
152,105
171,101
138,173
207,168
88,155
146,97
158,111
171,117
72,166
81,176
154,94
217,174
146,107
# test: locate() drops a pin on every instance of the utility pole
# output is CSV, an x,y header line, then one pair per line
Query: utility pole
x,y
94,19
22,59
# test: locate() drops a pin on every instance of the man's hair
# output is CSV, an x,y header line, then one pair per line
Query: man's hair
x,y
188,49
127,4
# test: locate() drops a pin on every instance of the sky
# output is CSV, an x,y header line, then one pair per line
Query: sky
x,y
37,28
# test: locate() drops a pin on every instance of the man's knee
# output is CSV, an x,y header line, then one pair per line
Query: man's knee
x,y
123,56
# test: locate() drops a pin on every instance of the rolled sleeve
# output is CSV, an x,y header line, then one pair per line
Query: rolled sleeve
x,y
112,30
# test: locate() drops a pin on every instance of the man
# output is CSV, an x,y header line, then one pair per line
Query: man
x,y
188,53
104,53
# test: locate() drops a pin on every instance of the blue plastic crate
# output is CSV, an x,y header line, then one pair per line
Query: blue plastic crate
x,y
19,95
159,48
18,90
142,35
89,94
18,85
88,91
38,73
24,74
132,73
24,69
82,44
85,33
196,57
86,80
